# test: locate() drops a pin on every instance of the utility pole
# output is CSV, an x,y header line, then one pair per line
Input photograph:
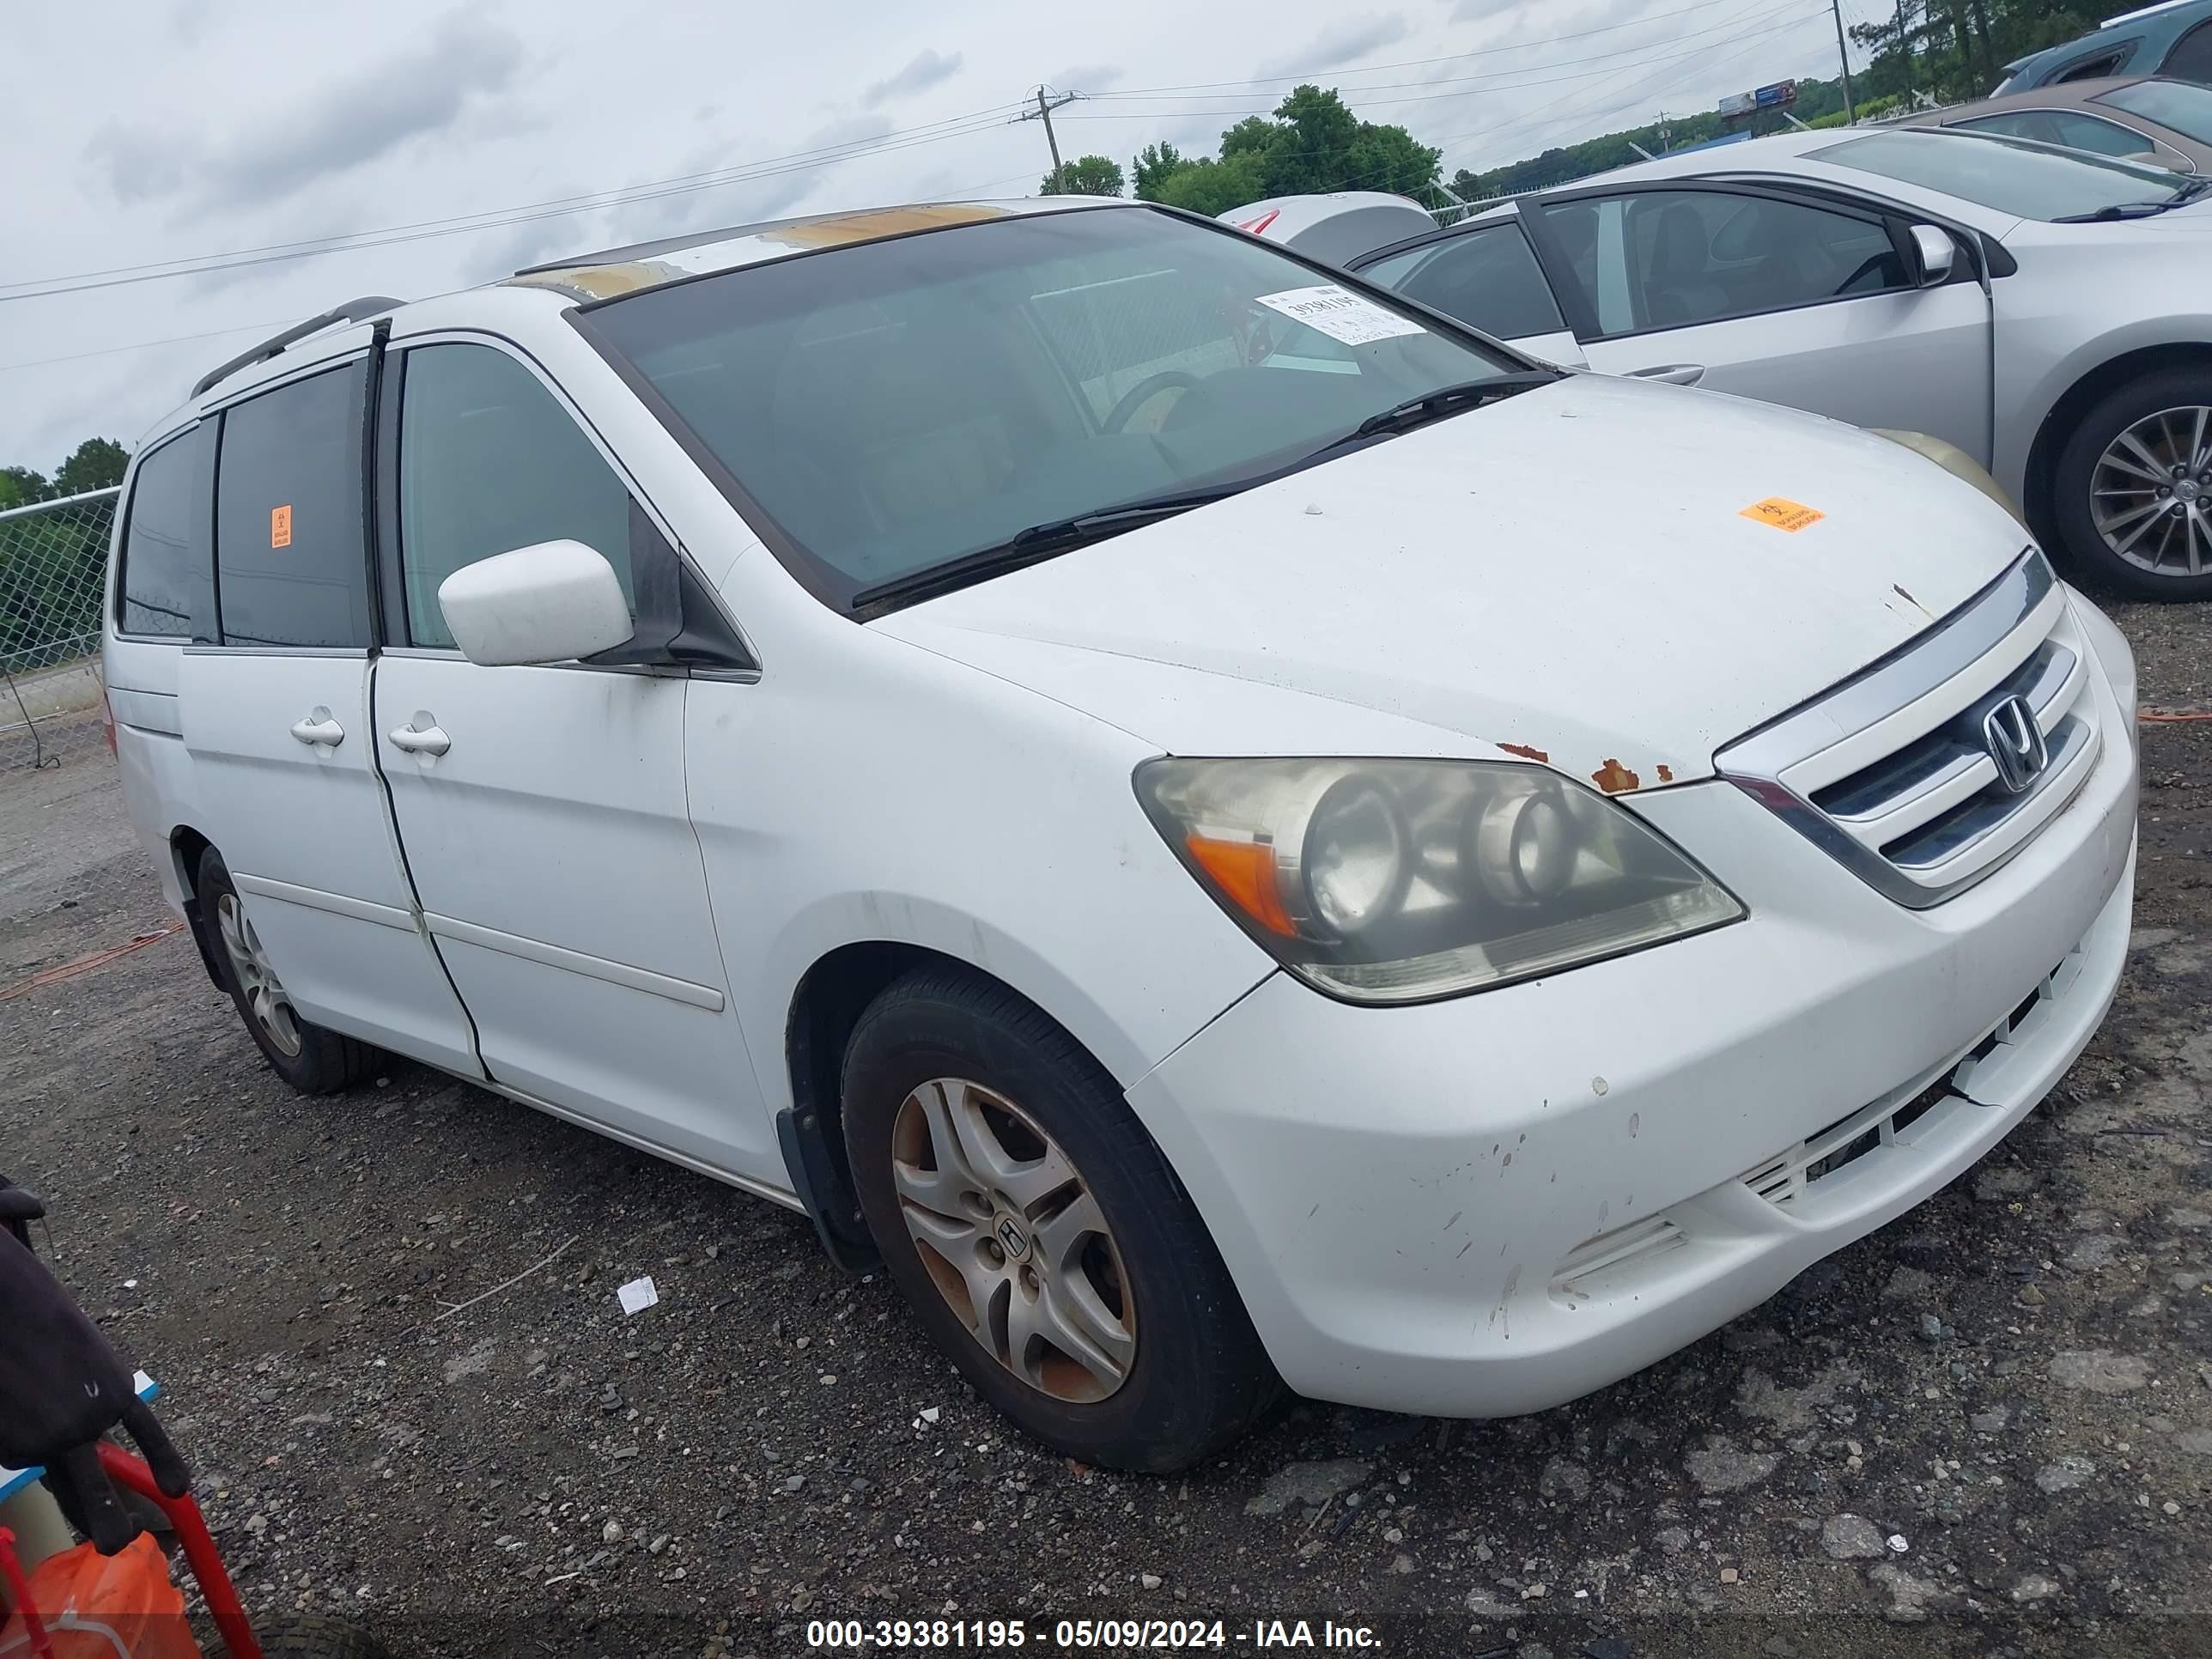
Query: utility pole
x,y
1844,58
1047,102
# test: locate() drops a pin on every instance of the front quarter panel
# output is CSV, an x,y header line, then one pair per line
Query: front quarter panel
x,y
866,790
2084,295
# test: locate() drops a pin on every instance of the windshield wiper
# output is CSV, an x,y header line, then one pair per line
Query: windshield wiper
x,y
1041,542
2181,197
1431,406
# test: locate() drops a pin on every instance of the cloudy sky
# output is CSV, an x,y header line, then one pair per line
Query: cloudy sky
x,y
451,143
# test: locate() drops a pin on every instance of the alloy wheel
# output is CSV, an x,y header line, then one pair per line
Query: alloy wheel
x,y
264,994
1013,1240
2150,494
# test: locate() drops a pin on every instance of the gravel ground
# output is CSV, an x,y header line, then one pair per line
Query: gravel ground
x,y
1986,1429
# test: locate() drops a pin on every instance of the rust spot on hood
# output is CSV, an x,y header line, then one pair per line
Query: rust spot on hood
x,y
1666,772
1615,778
1524,751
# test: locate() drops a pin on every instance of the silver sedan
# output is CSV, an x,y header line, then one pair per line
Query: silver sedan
x,y
2047,311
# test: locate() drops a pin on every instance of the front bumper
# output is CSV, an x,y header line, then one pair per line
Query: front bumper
x,y
1495,1204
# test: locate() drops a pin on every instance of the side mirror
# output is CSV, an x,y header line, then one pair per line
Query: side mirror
x,y
1935,253
550,602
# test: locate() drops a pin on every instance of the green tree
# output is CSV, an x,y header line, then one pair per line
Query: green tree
x,y
97,464
1310,148
1151,169
1311,142
1088,175
1213,187
19,486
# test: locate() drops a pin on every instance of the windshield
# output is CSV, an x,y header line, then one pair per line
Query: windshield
x,y
2010,175
2181,106
896,405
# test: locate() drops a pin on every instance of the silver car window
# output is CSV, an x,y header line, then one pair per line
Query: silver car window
x,y
1690,257
2004,174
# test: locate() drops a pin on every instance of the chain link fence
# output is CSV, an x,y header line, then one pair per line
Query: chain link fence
x,y
53,564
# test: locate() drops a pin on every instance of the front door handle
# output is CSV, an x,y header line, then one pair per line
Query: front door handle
x,y
319,727
422,735
1671,373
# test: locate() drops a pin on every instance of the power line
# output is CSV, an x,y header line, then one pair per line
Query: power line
x,y
148,345
493,218
1418,62
1354,98
1511,76
1644,89
1545,117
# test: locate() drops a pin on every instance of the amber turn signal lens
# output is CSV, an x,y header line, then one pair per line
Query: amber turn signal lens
x,y
1244,872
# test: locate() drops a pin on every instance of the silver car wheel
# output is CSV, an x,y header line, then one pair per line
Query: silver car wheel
x,y
265,995
1013,1240
2150,495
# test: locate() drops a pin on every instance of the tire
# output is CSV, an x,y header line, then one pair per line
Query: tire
x,y
1192,1374
315,1635
313,1060
2085,481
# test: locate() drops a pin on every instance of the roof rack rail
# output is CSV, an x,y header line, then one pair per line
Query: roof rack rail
x,y
353,311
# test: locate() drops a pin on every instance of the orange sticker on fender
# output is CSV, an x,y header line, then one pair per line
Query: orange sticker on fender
x,y
280,526
1792,516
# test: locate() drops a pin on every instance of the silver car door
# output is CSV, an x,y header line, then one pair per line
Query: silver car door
x,y
1769,294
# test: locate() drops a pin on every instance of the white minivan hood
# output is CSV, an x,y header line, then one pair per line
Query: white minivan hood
x,y
1568,575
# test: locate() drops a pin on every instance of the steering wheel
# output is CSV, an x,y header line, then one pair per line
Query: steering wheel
x,y
1144,391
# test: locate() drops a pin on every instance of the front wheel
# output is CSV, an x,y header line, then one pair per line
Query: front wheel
x,y
1041,1237
2133,488
311,1059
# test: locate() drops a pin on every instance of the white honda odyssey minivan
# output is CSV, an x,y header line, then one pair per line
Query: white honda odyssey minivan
x,y
1233,833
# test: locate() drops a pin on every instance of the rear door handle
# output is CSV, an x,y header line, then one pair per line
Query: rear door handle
x,y
422,735
1671,373
319,727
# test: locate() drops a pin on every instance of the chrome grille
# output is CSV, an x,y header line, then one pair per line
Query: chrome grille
x,y
1891,772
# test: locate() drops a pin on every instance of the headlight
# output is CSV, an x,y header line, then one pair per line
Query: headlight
x,y
1401,880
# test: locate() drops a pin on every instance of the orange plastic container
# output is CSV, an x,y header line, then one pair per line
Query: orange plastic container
x,y
105,1607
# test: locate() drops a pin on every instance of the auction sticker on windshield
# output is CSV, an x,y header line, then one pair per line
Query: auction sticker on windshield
x,y
1339,313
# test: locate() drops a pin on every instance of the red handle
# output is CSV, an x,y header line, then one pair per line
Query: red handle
x,y
200,1555
19,1592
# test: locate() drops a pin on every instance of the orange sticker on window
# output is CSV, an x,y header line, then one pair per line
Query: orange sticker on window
x,y
1792,516
280,525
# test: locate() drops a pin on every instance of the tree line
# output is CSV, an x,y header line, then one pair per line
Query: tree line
x,y
95,464
1939,50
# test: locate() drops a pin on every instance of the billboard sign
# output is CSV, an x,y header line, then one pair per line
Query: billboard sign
x,y
1779,95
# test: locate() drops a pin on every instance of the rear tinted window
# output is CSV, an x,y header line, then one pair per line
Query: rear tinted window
x,y
2180,105
2191,58
166,582
289,541
1487,278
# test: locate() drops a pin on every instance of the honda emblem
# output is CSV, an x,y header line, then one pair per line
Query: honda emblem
x,y
2014,740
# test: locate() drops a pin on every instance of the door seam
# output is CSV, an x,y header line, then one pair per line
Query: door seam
x,y
407,871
